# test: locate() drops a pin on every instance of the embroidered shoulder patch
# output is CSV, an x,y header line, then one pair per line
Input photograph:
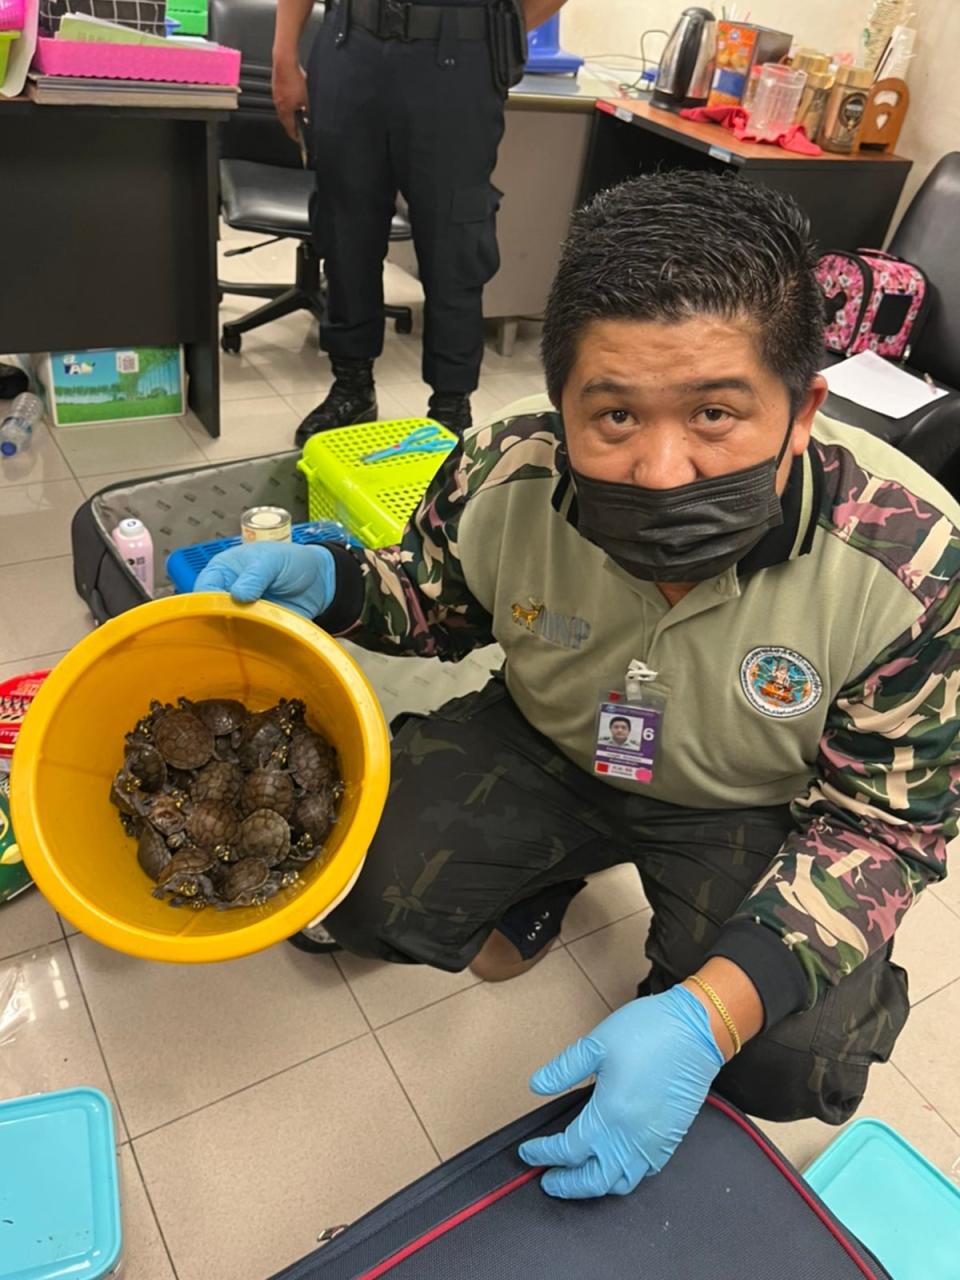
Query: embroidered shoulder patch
x,y
780,682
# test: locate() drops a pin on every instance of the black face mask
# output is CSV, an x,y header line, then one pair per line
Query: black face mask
x,y
686,534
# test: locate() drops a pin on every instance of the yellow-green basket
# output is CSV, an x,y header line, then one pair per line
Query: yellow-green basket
x,y
373,499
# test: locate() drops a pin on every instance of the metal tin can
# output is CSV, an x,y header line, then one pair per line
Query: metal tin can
x,y
266,524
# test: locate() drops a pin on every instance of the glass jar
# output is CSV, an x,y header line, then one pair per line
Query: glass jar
x,y
843,117
813,102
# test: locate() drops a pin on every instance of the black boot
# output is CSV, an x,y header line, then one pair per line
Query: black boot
x,y
350,400
452,410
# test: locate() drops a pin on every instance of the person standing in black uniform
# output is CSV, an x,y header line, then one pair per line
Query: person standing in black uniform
x,y
403,96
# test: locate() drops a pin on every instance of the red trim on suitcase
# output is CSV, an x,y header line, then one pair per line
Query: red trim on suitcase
x,y
795,1181
443,1227
486,1201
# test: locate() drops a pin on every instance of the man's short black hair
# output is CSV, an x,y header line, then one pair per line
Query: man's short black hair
x,y
677,245
620,720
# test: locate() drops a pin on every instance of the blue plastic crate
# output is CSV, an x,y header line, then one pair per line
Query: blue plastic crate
x,y
901,1207
184,564
59,1199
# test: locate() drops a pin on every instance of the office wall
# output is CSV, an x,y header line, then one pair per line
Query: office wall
x,y
933,123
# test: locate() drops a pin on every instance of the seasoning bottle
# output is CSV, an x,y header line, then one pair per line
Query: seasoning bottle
x,y
813,101
843,117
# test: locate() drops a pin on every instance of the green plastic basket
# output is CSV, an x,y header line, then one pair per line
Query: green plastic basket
x,y
373,499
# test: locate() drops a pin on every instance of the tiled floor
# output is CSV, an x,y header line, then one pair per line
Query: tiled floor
x,y
263,1100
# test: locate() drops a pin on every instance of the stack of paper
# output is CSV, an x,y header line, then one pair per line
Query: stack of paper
x,y
869,380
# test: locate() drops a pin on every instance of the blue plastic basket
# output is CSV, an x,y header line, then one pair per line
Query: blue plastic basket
x,y
59,1201
894,1200
184,564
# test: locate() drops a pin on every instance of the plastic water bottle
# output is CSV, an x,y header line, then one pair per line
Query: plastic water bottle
x,y
132,539
16,431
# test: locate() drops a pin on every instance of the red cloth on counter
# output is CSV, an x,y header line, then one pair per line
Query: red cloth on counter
x,y
735,119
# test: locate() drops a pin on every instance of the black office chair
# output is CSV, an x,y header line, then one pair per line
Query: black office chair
x,y
934,443
929,237
263,185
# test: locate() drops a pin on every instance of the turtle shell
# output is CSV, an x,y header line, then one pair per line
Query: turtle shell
x,y
261,738
312,761
127,794
166,814
152,853
315,815
218,781
213,823
221,715
264,834
146,764
185,874
267,789
183,740
243,879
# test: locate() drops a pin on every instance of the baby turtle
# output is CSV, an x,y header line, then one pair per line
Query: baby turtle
x,y
222,716
267,789
166,813
225,748
218,781
144,761
315,815
186,875
214,825
152,853
312,761
127,794
264,834
183,739
248,883
262,739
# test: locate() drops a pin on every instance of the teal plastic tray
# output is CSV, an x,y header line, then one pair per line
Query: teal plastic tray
x,y
59,1201
901,1207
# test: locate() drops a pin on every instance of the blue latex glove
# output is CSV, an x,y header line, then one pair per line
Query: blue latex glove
x,y
654,1060
301,578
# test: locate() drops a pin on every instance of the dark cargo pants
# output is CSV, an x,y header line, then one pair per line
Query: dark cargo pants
x,y
484,814
422,117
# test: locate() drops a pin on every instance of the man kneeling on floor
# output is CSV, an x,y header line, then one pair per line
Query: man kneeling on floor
x,y
677,545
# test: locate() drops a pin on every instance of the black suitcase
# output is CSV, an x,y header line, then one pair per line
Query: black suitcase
x,y
728,1206
179,509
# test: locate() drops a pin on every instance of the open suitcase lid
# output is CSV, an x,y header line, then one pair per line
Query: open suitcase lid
x,y
727,1206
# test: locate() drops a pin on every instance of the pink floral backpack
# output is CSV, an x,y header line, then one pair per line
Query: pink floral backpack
x,y
874,301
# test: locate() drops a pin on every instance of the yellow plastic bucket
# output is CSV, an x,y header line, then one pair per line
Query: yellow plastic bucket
x,y
72,740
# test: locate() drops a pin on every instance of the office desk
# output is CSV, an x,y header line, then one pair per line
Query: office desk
x,y
850,200
109,230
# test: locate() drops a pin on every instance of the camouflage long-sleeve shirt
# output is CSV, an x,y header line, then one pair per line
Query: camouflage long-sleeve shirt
x,y
822,672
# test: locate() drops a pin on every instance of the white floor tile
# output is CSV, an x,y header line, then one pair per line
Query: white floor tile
x,y
93,484
928,1051
244,1187
292,372
386,992
248,428
35,520
26,923
178,1037
144,1255
46,1039
51,617
927,944
613,959
240,380
38,662
126,447
890,1097
609,896
41,463
465,1062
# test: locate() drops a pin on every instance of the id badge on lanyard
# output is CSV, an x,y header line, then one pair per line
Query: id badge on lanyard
x,y
628,727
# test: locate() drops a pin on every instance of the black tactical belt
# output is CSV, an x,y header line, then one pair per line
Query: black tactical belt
x,y
399,20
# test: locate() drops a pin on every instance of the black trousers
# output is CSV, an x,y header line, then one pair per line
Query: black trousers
x,y
485,814
424,118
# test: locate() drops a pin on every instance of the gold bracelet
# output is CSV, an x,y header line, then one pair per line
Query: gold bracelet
x,y
721,1008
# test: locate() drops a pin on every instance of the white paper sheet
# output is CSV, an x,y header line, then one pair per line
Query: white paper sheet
x,y
21,51
869,380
